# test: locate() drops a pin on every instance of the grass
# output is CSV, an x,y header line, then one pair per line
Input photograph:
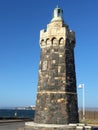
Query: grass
x,y
89,121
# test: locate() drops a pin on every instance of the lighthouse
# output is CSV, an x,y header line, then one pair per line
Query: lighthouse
x,y
56,101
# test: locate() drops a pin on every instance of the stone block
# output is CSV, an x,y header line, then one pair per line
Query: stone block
x,y
88,128
80,128
34,126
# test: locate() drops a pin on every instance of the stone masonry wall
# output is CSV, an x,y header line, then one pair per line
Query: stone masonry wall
x,y
57,97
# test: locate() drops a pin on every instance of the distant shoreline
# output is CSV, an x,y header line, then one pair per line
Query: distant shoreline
x,y
18,108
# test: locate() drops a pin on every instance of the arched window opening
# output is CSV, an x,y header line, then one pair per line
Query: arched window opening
x,y
43,42
61,42
48,42
54,42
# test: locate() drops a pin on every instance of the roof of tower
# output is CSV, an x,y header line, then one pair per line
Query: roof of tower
x,y
57,14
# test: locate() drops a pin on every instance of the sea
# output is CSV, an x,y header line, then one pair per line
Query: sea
x,y
15,113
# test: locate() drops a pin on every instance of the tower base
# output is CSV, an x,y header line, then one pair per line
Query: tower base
x,y
36,126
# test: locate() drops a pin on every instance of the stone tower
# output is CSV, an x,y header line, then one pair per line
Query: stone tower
x,y
57,95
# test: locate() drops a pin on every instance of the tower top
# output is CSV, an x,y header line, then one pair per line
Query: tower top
x,y
57,14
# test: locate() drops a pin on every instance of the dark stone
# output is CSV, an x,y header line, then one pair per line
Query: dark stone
x,y
57,95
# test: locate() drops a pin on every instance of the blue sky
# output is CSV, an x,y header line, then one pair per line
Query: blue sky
x,y
20,24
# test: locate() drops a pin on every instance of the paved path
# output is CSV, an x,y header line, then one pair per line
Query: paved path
x,y
12,126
